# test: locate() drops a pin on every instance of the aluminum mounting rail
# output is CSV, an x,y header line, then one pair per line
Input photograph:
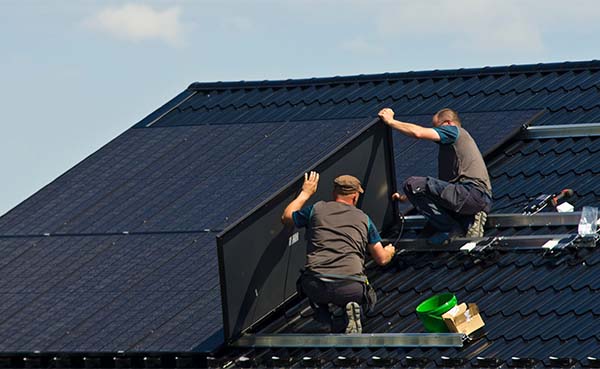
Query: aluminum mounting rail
x,y
532,242
561,131
507,220
293,340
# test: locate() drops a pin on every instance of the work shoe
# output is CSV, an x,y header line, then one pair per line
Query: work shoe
x,y
353,314
476,227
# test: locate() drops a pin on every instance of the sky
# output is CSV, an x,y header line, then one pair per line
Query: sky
x,y
76,74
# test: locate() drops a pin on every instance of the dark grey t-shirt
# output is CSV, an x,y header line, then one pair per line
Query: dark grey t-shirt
x,y
459,158
338,235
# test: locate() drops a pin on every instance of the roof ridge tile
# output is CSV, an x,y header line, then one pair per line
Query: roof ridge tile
x,y
428,74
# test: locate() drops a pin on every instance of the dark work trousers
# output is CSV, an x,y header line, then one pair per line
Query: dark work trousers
x,y
449,207
339,293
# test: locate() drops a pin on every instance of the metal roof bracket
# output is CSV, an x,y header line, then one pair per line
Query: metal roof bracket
x,y
575,241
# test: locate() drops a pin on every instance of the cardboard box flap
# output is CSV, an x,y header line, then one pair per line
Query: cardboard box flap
x,y
465,314
473,309
455,311
463,318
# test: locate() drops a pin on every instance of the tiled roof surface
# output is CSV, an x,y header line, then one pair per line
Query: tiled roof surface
x,y
534,305
527,168
217,150
569,91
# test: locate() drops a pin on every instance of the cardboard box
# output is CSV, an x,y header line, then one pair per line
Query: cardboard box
x,y
463,319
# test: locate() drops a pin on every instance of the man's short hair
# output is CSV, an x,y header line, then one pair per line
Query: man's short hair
x,y
448,114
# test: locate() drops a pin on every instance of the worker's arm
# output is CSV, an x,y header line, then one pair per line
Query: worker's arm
x,y
309,187
409,129
382,255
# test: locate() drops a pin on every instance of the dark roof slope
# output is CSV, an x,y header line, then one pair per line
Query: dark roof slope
x,y
218,150
535,305
527,168
568,91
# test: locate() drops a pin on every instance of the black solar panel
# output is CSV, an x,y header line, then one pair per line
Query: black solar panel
x,y
107,293
201,177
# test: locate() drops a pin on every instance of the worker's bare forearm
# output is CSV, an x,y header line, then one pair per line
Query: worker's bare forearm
x,y
293,206
406,128
382,255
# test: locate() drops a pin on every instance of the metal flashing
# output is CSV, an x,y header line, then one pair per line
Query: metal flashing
x,y
294,340
561,131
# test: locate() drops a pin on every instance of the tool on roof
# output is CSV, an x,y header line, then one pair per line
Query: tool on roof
x,y
542,201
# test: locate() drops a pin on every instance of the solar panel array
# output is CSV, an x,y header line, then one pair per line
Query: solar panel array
x,y
128,260
105,293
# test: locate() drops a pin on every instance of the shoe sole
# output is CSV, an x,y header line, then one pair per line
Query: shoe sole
x,y
353,313
476,229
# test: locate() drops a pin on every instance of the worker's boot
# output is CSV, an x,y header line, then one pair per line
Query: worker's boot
x,y
476,227
353,314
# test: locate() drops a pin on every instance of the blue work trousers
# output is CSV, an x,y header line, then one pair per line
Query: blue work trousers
x,y
449,207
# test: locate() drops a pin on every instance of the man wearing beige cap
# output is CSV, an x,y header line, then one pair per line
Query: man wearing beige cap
x,y
339,236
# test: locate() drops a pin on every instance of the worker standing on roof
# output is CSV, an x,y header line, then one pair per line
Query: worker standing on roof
x,y
458,202
339,235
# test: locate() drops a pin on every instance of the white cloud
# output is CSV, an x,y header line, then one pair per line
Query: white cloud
x,y
484,25
132,22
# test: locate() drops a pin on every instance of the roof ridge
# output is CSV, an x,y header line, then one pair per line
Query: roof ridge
x,y
435,73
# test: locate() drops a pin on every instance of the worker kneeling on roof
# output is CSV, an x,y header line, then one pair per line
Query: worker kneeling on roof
x,y
456,203
339,235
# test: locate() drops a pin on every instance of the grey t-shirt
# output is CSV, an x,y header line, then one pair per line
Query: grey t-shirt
x,y
338,235
459,158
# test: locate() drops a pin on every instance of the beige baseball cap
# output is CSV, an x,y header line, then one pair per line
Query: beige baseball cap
x,y
347,184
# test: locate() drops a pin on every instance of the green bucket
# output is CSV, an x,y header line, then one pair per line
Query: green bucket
x,y
431,310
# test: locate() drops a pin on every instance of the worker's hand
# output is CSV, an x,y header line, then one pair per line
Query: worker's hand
x,y
386,115
311,180
391,250
399,197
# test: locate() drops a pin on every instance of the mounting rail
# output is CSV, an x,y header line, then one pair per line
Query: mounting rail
x,y
505,220
531,242
294,340
562,131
